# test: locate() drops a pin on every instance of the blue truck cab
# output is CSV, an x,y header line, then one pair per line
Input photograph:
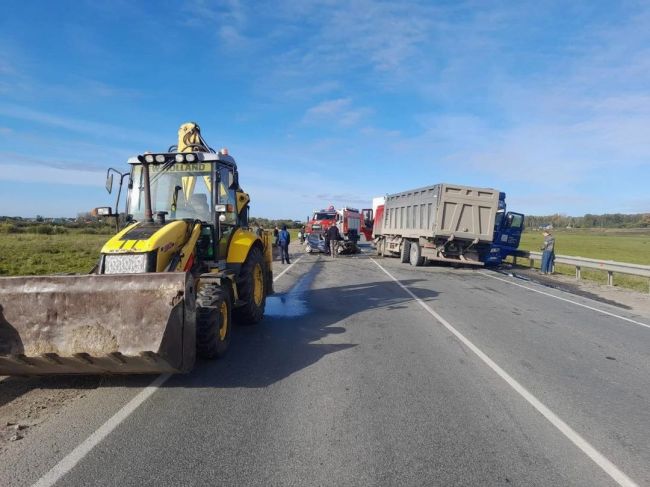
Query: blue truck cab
x,y
507,234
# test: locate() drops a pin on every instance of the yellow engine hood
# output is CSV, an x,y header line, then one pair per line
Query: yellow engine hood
x,y
142,237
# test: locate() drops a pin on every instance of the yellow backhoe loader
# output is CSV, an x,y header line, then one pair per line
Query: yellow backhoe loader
x,y
166,287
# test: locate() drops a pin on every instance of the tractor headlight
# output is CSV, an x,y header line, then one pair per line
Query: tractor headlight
x,y
148,158
179,158
126,263
190,157
160,158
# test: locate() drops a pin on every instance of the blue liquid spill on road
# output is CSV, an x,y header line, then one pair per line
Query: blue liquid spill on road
x,y
293,303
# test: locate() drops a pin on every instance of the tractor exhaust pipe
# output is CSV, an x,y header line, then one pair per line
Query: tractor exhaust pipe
x,y
148,214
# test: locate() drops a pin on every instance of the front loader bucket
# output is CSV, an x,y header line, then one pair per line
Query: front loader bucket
x,y
97,324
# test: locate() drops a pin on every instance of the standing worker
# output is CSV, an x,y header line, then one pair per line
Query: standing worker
x,y
548,253
276,232
332,235
283,241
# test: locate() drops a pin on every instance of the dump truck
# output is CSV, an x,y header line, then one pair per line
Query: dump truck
x,y
447,223
166,288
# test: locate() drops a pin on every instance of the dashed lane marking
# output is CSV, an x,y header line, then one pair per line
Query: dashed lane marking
x,y
66,464
290,266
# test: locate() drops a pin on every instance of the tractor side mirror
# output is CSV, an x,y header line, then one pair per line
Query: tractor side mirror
x,y
103,211
109,182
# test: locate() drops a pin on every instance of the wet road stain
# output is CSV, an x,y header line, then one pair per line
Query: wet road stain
x,y
293,303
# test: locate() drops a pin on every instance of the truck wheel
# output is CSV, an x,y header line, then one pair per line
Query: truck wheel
x,y
381,245
213,321
251,289
405,251
415,255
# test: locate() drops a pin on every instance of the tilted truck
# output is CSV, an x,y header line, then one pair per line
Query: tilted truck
x,y
448,223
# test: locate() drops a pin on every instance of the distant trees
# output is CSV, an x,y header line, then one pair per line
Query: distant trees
x,y
54,226
269,223
607,220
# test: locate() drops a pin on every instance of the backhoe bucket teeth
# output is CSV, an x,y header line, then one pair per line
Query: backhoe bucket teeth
x,y
97,324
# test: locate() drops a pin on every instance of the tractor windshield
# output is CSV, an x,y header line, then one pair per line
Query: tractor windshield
x,y
183,191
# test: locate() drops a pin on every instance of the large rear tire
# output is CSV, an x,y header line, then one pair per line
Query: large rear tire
x,y
213,321
251,289
415,255
404,254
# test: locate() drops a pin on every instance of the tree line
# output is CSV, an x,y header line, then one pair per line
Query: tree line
x,y
607,220
269,223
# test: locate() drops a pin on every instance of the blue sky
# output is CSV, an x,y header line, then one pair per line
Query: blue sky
x,y
328,102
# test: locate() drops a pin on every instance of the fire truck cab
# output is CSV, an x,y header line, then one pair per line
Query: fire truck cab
x,y
348,220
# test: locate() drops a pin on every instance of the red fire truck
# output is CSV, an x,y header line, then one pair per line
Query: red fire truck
x,y
349,221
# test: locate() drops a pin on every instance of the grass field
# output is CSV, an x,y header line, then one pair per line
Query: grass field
x,y
630,245
30,254
27,254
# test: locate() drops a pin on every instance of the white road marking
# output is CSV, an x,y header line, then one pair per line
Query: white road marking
x,y
290,266
612,470
75,456
66,464
566,300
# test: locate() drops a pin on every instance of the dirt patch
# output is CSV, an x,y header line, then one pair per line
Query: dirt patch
x,y
26,402
94,340
636,302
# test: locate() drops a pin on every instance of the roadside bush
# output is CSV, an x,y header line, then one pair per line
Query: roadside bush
x,y
10,228
43,230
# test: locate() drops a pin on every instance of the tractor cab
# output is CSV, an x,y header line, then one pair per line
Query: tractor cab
x,y
189,187
184,186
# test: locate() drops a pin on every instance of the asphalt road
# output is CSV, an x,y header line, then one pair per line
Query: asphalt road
x,y
350,380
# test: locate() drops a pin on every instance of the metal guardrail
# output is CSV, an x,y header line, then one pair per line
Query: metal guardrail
x,y
579,263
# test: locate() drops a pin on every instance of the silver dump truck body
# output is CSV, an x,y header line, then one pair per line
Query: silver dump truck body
x,y
445,221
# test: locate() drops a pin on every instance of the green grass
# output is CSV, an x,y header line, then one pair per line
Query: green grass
x,y
620,245
29,254
26,254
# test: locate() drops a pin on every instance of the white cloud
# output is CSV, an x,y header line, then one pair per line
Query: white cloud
x,y
227,17
35,173
89,127
339,110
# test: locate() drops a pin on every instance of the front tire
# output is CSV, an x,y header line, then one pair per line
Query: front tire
x,y
251,289
213,321
415,255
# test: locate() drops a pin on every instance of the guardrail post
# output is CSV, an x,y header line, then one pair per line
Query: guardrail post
x,y
578,272
514,260
531,262
610,278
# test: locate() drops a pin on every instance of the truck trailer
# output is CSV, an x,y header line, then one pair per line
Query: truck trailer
x,y
448,223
